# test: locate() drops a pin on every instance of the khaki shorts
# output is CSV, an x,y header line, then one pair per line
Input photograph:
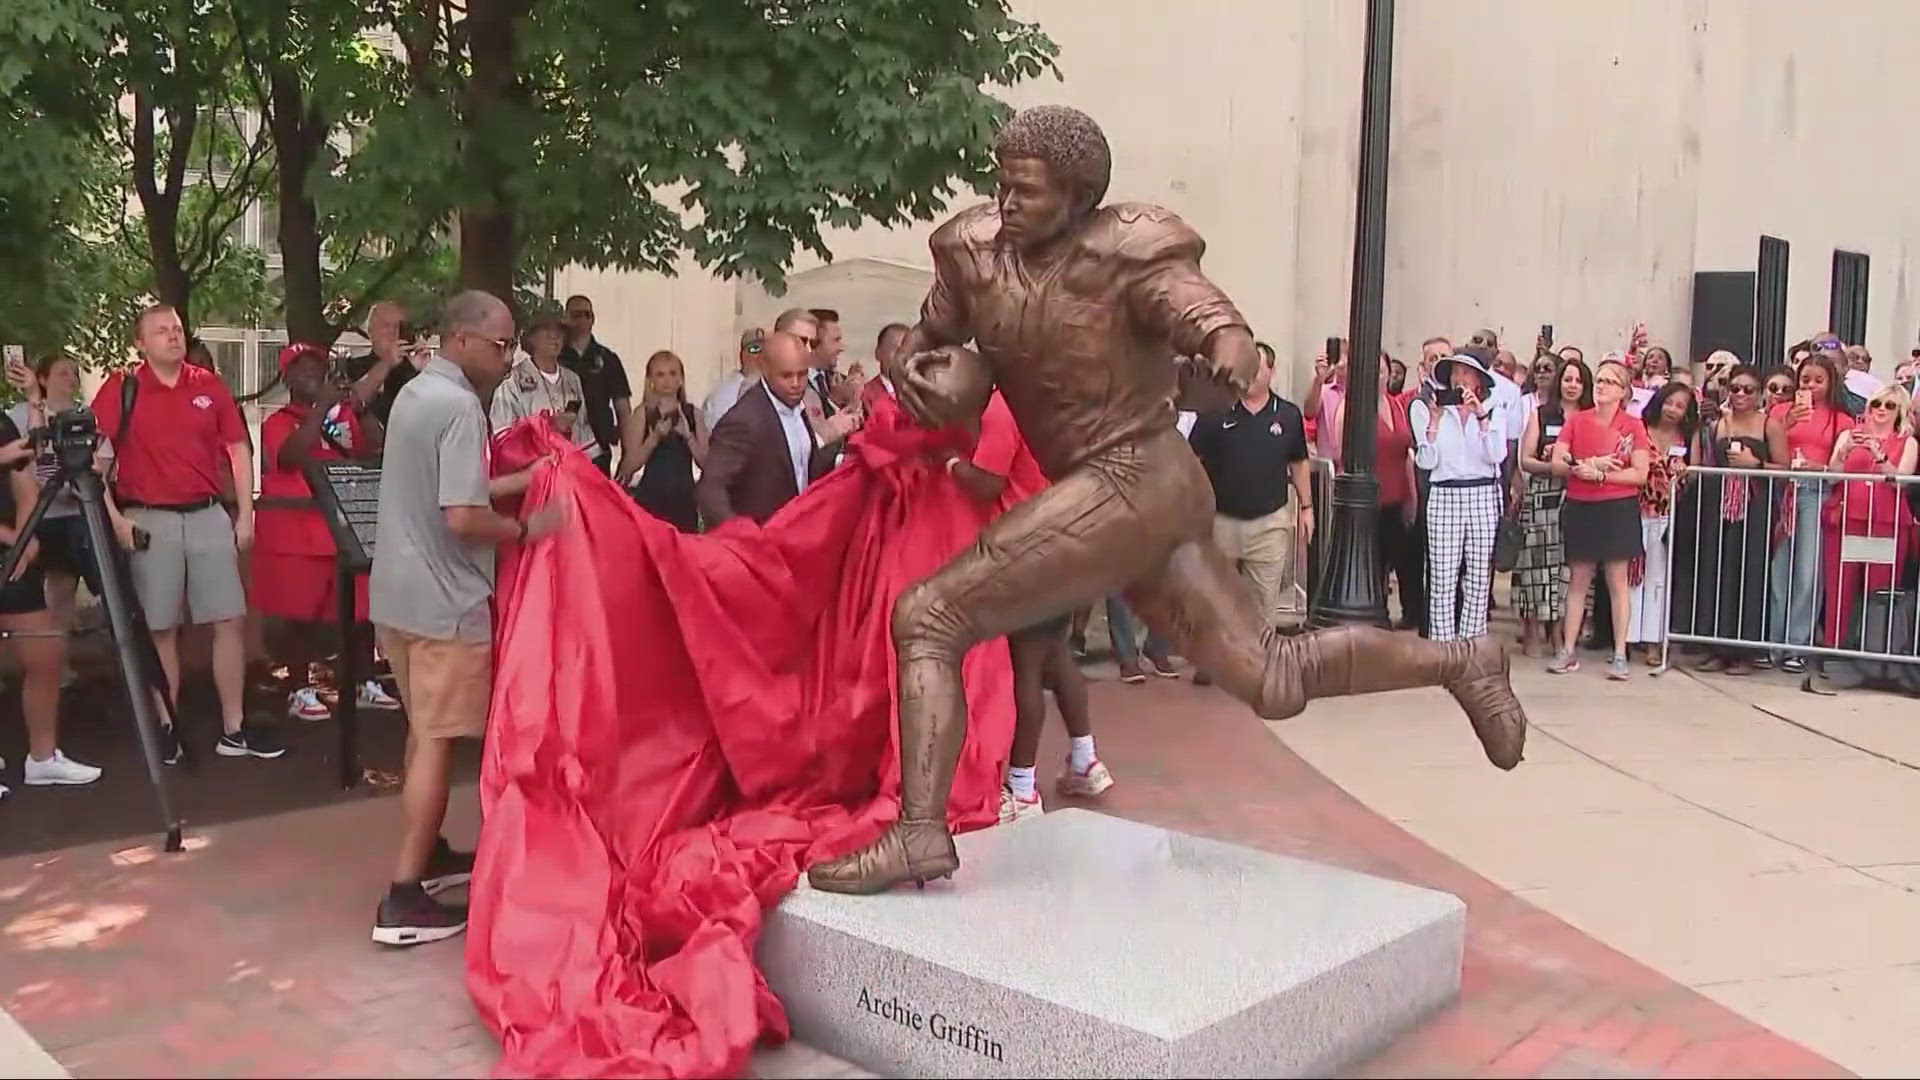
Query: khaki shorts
x,y
445,685
190,572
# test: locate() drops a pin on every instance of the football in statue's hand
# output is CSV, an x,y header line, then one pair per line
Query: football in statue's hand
x,y
949,385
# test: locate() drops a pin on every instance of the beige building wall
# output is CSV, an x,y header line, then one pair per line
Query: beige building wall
x,y
1557,162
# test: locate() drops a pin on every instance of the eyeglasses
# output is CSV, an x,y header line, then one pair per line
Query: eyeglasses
x,y
504,344
1742,388
1609,380
754,347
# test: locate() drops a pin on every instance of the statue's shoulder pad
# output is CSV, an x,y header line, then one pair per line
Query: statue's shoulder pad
x,y
1140,232
974,227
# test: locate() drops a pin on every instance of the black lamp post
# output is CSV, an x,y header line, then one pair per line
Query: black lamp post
x,y
1351,589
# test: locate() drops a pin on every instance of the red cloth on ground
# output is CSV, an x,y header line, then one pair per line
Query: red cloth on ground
x,y
674,741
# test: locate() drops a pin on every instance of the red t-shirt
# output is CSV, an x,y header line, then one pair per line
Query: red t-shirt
x,y
1003,452
1815,437
1585,435
283,531
176,450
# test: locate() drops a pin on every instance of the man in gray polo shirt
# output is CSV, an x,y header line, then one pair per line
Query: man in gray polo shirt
x,y
432,589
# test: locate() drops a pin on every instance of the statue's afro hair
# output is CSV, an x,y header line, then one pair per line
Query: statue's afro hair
x,y
1072,145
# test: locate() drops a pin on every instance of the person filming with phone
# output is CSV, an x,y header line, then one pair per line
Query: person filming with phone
x,y
541,385
1461,440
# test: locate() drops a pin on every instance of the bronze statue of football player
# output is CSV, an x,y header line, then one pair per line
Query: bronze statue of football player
x,y
1076,310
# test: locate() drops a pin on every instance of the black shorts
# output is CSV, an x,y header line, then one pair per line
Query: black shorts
x,y
64,549
26,596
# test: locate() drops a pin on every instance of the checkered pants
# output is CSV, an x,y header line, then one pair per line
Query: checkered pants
x,y
1461,523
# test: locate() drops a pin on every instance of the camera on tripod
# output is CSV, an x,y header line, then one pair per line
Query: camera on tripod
x,y
73,435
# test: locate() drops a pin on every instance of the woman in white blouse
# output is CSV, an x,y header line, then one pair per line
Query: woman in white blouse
x,y
1461,440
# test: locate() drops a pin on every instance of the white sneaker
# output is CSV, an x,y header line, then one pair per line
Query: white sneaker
x,y
1085,785
59,769
375,696
305,704
1013,808
5,791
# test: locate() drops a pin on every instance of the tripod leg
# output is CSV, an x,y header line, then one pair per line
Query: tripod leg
x,y
347,674
129,636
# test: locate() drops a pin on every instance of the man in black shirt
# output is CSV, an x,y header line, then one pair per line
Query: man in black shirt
x,y
1255,453
378,375
603,380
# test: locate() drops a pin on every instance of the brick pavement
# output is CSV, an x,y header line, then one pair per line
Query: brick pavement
x,y
248,955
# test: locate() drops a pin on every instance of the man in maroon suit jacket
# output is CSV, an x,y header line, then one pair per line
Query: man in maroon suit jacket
x,y
763,452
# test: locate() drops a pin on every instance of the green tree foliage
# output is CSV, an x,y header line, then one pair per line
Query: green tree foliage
x,y
404,146
616,134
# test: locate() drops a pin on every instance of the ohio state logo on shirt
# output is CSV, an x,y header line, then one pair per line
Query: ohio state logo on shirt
x,y
203,402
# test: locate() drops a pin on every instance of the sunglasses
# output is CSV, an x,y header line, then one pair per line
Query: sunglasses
x,y
753,348
1543,369
1742,388
1608,380
1883,403
1778,388
504,344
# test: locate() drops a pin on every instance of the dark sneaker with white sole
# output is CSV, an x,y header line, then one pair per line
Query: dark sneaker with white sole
x,y
446,868
170,752
252,740
408,916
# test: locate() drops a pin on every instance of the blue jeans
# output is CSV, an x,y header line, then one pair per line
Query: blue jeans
x,y
1793,578
1125,631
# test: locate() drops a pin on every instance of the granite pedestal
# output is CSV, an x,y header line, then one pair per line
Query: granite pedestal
x,y
1079,944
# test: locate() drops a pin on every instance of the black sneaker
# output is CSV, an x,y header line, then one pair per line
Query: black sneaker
x,y
408,916
446,868
252,740
170,752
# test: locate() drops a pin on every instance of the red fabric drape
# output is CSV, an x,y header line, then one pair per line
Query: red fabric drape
x,y
680,725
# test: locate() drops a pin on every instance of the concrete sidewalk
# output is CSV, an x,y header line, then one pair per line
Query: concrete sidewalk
x,y
20,1056
1749,840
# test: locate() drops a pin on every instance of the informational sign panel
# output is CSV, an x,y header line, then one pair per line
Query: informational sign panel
x,y
348,494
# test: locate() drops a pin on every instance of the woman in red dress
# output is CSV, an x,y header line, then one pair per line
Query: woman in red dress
x,y
1880,444
293,553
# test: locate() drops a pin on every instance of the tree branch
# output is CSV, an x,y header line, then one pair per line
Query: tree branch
x,y
396,262
143,150
237,193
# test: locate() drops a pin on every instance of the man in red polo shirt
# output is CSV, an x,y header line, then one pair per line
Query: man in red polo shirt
x,y
169,456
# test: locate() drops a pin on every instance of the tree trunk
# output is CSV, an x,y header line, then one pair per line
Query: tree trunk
x,y
489,227
160,201
297,131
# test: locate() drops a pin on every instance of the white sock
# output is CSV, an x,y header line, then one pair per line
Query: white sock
x,y
1081,757
1021,782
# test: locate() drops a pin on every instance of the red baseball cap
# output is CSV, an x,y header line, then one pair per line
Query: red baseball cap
x,y
295,350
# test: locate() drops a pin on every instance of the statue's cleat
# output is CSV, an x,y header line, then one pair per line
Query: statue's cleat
x,y
910,850
1484,689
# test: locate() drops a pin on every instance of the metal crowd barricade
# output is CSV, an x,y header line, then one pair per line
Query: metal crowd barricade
x,y
1793,563
1310,560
